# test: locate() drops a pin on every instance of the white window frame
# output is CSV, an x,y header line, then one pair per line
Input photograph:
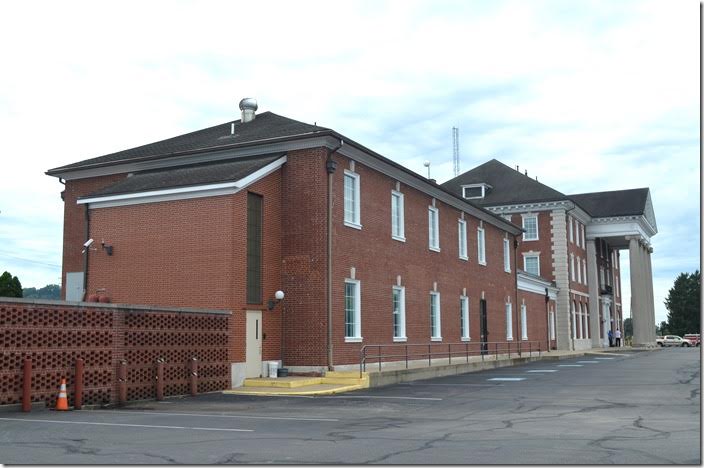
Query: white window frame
x,y
528,255
584,265
483,186
355,222
574,320
569,221
579,270
401,314
357,338
435,321
509,321
507,256
572,275
551,324
481,246
462,238
524,323
585,313
584,240
433,228
537,233
400,234
464,318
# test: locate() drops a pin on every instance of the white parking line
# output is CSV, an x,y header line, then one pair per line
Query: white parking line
x,y
542,370
588,362
89,423
383,397
507,379
237,416
448,385
603,358
570,365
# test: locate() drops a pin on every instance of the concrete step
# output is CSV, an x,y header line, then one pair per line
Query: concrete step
x,y
282,382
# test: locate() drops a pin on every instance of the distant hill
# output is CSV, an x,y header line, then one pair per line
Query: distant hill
x,y
50,291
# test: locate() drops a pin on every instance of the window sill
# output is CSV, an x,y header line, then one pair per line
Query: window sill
x,y
529,240
434,249
509,338
353,225
349,339
436,338
400,339
525,338
465,338
507,271
482,263
464,258
398,238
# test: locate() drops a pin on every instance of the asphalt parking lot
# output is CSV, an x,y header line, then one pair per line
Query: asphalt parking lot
x,y
624,408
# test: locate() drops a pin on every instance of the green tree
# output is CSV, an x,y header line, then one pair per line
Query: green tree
x,y
662,329
683,304
10,286
628,327
50,291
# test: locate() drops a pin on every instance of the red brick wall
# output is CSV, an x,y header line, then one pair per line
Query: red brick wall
x,y
74,221
542,245
54,334
378,259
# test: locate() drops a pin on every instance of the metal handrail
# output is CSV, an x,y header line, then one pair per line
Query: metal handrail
x,y
448,350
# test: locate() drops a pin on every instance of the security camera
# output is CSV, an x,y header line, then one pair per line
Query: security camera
x,y
88,243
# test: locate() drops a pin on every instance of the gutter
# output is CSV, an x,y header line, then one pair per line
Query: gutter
x,y
330,167
85,255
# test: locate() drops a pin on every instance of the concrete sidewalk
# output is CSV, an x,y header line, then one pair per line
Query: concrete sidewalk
x,y
395,372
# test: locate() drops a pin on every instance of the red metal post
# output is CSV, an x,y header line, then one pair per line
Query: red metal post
x,y
27,385
159,379
194,375
122,382
78,385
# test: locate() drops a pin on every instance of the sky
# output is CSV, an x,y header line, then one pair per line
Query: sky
x,y
586,95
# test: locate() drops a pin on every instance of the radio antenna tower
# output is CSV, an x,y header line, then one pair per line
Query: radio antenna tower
x,y
456,150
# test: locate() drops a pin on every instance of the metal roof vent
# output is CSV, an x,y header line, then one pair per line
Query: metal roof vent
x,y
248,106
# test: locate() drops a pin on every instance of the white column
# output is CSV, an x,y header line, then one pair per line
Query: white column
x,y
643,320
651,301
593,284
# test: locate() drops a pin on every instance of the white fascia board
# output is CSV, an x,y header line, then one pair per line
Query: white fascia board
x,y
618,227
425,187
527,207
189,159
534,285
182,193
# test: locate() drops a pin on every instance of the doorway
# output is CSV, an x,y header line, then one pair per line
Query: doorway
x,y
253,356
484,332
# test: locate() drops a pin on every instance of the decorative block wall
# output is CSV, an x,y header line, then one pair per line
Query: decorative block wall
x,y
55,333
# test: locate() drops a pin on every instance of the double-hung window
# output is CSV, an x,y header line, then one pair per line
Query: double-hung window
x,y
524,323
572,267
398,300
352,204
397,221
481,247
530,224
531,264
579,270
433,229
507,256
353,313
464,317
435,334
509,322
569,221
584,265
462,236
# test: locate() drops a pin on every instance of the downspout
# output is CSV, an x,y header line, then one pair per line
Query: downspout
x,y
515,277
330,167
547,317
85,255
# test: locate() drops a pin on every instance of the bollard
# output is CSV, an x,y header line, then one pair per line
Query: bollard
x,y
159,379
78,385
27,385
122,382
194,375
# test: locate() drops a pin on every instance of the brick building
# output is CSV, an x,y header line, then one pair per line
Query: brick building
x,y
365,250
574,240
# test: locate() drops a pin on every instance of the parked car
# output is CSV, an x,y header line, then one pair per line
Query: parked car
x,y
673,340
695,338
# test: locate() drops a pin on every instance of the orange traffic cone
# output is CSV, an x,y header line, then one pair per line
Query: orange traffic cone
x,y
62,401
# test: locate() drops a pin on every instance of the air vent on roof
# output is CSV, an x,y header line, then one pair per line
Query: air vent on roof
x,y
248,106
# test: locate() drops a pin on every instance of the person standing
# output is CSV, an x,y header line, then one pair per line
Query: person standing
x,y
617,335
611,339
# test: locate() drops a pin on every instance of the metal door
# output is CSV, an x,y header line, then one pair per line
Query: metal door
x,y
254,344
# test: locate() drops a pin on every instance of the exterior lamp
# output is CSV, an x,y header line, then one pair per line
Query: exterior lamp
x,y
278,297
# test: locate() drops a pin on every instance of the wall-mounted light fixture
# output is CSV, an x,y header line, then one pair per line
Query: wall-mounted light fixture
x,y
278,297
106,248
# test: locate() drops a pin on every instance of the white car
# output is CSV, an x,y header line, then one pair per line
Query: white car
x,y
673,340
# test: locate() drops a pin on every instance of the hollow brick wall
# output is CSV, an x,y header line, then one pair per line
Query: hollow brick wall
x,y
55,334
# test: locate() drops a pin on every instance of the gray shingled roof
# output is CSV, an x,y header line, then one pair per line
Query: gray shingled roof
x,y
184,176
266,125
615,203
509,185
